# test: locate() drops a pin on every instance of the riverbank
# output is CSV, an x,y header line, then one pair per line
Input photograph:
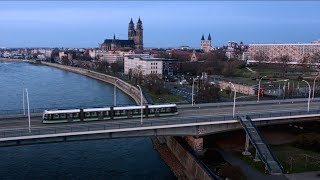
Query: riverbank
x,y
127,88
13,60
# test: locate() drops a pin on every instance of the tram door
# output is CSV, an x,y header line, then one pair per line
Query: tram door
x,y
129,113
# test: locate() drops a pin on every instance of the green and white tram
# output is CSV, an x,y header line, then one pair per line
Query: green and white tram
x,y
91,114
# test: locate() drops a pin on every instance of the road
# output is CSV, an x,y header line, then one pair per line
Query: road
x,y
186,114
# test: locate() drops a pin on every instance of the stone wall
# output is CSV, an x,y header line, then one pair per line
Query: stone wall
x,y
244,89
192,169
127,88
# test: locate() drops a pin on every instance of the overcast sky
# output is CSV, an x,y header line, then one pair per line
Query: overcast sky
x,y
166,24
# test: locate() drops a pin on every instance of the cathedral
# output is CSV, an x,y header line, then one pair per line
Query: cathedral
x,y
135,39
206,46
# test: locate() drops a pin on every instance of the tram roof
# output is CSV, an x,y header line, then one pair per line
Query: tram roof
x,y
96,109
162,105
62,111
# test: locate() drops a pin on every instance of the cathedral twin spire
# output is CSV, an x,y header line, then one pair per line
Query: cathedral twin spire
x,y
136,34
209,37
206,45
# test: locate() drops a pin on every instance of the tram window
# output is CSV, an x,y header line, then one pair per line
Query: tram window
x,y
151,111
123,112
157,110
75,115
69,116
94,114
168,110
62,116
55,116
87,114
117,112
100,114
163,110
136,111
106,113
130,112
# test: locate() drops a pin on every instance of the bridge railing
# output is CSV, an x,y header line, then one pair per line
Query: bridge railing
x,y
135,123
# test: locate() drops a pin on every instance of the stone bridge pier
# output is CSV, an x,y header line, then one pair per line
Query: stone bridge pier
x,y
196,143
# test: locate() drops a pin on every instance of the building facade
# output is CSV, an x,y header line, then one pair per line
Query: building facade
x,y
206,46
143,63
135,39
296,52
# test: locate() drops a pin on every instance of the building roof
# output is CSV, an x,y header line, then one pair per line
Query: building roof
x,y
118,41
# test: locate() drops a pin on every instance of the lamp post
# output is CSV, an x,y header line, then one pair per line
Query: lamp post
x,y
234,98
259,87
314,82
309,94
23,105
141,103
192,93
282,80
115,93
28,110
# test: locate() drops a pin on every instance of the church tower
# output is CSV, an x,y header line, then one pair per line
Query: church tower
x,y
131,31
202,41
209,41
139,35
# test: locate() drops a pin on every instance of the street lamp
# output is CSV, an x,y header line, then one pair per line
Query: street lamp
x,y
259,87
28,110
234,98
23,105
282,80
309,94
314,82
192,98
141,103
115,93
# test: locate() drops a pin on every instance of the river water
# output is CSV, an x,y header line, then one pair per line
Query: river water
x,y
127,158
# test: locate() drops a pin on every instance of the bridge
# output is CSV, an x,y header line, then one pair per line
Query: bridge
x,y
197,120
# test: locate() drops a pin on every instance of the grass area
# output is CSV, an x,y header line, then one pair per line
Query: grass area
x,y
293,160
296,160
249,160
165,98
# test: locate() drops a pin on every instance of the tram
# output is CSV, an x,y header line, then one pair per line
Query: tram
x,y
108,113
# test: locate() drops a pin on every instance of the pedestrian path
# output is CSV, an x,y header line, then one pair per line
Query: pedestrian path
x,y
250,172
249,69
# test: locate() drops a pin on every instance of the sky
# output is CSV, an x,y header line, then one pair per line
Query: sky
x,y
165,23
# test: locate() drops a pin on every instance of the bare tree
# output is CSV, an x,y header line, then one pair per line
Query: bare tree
x,y
208,93
154,84
261,57
283,62
137,73
230,66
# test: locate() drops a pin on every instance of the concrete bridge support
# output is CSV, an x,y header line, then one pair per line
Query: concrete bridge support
x,y
196,143
246,147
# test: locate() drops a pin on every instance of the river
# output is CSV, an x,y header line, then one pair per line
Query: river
x,y
127,158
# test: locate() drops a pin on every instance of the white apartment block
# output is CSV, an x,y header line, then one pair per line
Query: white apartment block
x,y
296,52
110,57
144,63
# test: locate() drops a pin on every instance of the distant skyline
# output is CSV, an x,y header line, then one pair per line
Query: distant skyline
x,y
165,23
